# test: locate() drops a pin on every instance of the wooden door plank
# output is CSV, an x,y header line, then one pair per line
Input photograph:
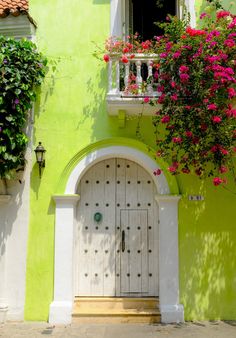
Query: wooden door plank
x,y
135,243
109,229
125,264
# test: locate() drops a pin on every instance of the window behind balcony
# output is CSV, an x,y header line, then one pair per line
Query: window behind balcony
x,y
141,14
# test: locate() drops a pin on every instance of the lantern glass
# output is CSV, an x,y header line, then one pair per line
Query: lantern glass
x,y
39,152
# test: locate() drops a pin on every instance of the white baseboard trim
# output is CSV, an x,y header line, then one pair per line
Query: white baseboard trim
x,y
172,313
3,313
60,312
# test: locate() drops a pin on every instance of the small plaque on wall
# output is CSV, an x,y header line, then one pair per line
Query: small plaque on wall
x,y
196,198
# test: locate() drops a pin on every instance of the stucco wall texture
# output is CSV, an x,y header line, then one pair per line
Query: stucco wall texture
x,y
70,115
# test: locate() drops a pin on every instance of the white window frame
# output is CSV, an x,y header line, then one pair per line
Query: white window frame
x,y
120,17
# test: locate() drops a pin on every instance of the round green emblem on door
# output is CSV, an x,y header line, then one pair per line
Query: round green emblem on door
x,y
97,217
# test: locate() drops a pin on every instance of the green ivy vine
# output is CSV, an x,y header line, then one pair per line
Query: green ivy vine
x,y
22,69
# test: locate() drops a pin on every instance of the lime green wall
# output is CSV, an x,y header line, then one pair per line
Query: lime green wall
x,y
72,115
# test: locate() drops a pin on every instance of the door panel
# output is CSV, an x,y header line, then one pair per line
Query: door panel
x,y
96,240
134,260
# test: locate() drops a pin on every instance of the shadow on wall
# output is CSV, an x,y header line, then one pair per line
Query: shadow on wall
x,y
9,211
96,107
208,276
208,270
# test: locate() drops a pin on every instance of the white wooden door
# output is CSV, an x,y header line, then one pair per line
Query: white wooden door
x,y
117,256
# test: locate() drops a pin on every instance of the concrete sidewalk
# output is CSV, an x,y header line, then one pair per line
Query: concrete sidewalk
x,y
216,329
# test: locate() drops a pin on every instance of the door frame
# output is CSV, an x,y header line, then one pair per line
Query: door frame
x,y
65,214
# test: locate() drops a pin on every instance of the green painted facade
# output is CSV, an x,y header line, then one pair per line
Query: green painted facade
x,y
70,120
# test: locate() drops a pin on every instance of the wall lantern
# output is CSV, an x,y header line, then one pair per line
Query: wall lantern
x,y
39,152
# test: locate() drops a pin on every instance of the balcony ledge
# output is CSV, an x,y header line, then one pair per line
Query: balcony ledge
x,y
131,105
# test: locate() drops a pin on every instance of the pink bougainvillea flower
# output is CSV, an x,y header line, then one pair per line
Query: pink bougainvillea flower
x,y
232,24
177,140
176,55
173,84
124,59
223,169
174,97
157,172
125,50
106,58
160,89
215,148
183,69
165,119
189,134
230,112
217,181
229,43
194,32
146,99
203,15
184,77
172,169
216,119
16,101
231,92
224,151
212,106
146,44
163,55
222,14
213,58
213,44
185,170
161,98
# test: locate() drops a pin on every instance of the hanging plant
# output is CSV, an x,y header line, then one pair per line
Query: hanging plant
x,y
22,69
196,122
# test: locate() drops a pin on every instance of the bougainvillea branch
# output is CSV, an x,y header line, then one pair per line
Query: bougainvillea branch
x,y
197,93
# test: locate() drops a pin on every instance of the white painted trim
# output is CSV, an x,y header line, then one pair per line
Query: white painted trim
x,y
116,18
116,151
116,24
3,313
61,307
171,310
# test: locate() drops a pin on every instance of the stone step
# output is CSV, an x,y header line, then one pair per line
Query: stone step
x,y
116,310
82,303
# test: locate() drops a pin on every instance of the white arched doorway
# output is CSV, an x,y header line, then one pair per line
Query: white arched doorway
x,y
65,223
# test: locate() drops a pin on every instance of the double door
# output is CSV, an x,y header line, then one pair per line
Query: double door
x,y
116,248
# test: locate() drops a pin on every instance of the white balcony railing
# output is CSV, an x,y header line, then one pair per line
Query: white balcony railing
x,y
130,82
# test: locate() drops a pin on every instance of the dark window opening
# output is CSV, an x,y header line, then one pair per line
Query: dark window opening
x,y
146,12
